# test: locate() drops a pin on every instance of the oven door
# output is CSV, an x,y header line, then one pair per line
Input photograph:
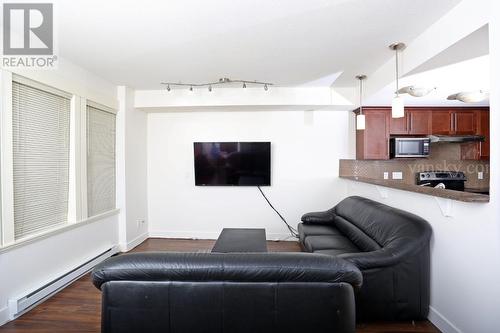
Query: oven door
x,y
410,147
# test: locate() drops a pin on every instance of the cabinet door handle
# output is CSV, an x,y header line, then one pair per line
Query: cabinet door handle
x,y
410,125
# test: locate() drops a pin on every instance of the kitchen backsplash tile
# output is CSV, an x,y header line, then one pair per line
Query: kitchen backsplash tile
x,y
375,169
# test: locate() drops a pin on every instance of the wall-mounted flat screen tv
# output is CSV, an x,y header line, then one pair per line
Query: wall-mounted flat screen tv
x,y
232,163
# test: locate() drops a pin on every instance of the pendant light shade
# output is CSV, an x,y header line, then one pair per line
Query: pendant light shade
x,y
398,107
398,104
360,122
360,118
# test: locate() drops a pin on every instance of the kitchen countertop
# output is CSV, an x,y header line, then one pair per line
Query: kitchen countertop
x,y
443,193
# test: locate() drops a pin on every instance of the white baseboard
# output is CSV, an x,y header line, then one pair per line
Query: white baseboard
x,y
209,235
4,315
441,322
134,242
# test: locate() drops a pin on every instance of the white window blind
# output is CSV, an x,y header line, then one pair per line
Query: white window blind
x,y
101,196
41,125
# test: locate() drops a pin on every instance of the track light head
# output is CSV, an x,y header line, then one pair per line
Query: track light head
x,y
168,87
244,85
265,87
191,88
210,88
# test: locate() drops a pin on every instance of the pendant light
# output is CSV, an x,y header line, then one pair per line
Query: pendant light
x,y
470,96
398,104
360,118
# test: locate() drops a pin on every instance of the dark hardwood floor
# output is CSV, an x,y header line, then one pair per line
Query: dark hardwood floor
x,y
77,307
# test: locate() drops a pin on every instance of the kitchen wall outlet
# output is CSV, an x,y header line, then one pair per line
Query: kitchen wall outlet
x,y
480,175
386,175
397,175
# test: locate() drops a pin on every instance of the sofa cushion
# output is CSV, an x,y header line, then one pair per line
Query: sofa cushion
x,y
333,252
356,235
306,230
327,242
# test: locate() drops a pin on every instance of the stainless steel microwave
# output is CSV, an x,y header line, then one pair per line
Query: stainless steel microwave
x,y
409,147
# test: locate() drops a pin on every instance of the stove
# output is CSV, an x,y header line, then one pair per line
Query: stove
x,y
452,180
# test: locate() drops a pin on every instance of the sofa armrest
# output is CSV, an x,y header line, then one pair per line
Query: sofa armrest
x,y
232,267
326,217
390,255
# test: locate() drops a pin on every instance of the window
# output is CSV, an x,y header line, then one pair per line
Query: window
x,y
40,153
101,196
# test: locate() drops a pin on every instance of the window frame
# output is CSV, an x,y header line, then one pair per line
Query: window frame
x,y
77,195
103,108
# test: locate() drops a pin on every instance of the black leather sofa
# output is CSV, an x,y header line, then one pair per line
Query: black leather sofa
x,y
388,245
214,292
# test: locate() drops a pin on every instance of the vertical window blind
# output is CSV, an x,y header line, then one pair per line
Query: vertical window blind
x,y
41,126
101,196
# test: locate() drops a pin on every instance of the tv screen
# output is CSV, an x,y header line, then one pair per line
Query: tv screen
x,y
232,163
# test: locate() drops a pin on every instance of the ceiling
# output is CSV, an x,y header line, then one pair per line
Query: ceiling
x,y
288,42
469,75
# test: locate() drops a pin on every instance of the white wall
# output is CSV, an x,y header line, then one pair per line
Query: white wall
x,y
305,147
29,266
131,170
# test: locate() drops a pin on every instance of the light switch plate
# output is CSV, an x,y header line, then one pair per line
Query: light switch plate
x,y
397,175
480,175
386,175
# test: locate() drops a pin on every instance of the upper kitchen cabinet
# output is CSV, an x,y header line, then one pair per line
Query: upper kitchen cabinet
x,y
465,122
415,122
372,143
454,122
442,123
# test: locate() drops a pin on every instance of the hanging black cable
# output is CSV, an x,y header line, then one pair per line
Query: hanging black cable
x,y
292,230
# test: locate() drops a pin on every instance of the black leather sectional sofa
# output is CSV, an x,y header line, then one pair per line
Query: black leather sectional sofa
x,y
388,245
370,261
217,293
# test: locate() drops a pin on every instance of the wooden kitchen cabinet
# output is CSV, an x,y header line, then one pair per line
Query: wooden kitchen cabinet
x,y
415,122
442,122
454,122
464,122
484,129
419,122
372,143
478,150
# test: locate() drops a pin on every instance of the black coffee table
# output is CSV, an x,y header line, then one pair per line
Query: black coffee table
x,y
241,240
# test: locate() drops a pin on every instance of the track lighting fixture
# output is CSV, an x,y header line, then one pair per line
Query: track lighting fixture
x,y
223,80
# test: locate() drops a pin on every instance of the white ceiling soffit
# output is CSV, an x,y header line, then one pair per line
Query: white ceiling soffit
x,y
276,98
288,42
473,46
